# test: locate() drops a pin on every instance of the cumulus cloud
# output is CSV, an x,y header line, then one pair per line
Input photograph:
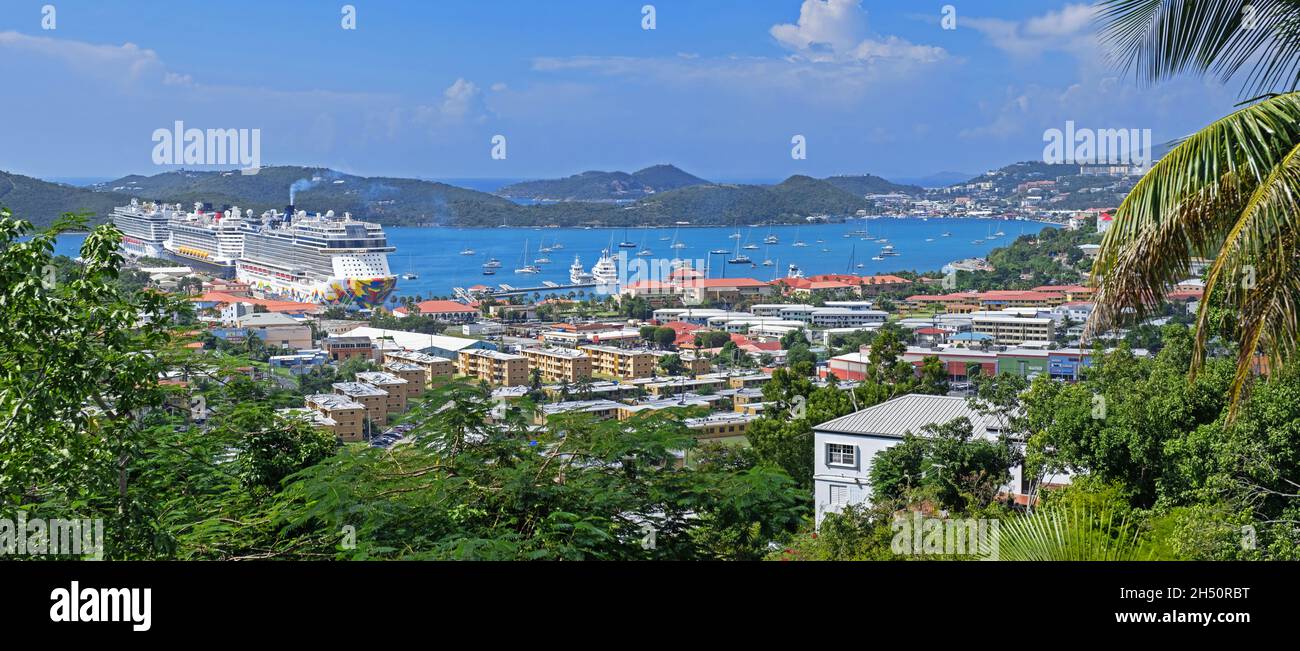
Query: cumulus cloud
x,y
1067,29
836,31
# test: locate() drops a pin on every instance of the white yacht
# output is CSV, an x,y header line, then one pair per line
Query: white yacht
x,y
578,275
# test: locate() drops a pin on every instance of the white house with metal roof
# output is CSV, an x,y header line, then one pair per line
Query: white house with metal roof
x,y
844,447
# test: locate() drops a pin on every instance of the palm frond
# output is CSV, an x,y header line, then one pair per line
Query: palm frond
x,y
1230,192
1073,534
1160,39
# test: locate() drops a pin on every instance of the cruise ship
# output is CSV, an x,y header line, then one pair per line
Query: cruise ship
x,y
317,259
207,240
605,273
144,227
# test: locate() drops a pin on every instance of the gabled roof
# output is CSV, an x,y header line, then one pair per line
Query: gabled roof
x,y
909,413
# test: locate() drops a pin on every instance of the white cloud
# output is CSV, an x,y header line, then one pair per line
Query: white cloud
x,y
836,31
1068,29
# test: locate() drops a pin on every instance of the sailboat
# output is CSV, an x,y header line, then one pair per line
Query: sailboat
x,y
644,252
676,244
410,270
767,261
740,258
527,268
626,244
797,241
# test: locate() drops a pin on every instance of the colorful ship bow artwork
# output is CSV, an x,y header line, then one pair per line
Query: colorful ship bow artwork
x,y
367,292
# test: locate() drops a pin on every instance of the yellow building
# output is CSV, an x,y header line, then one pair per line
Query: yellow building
x,y
718,426
393,385
347,415
494,367
621,363
374,399
414,375
559,364
435,368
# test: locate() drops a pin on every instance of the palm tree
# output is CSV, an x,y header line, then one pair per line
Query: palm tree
x,y
1230,191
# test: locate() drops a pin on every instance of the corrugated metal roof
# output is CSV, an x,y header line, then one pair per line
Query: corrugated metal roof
x,y
908,413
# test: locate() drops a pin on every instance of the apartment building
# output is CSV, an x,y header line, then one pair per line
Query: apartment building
x,y
311,417
393,385
621,363
845,317
374,399
347,414
435,368
344,347
1009,330
720,426
413,374
559,364
494,367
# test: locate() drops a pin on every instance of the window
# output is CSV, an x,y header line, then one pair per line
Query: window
x,y
838,454
839,495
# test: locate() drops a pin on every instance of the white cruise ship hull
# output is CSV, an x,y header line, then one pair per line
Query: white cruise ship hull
x,y
140,248
272,282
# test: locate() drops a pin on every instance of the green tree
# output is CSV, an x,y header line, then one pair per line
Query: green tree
x,y
1227,192
79,391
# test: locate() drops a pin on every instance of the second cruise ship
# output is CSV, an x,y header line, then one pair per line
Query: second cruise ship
x,y
207,240
317,259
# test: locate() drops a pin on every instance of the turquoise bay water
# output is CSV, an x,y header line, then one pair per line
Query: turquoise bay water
x,y
434,253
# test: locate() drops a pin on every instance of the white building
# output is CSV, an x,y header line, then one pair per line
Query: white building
x,y
844,447
843,317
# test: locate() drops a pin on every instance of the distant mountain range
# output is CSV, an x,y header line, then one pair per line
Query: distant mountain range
x,y
41,202
667,195
657,195
604,186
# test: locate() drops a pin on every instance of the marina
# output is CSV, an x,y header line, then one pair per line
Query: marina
x,y
434,255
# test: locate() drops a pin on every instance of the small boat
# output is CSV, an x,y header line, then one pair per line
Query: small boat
x,y
492,263
467,251
542,260
929,239
645,252
489,271
527,268
410,275
946,234
825,249
740,259
771,239
750,247
874,257
719,252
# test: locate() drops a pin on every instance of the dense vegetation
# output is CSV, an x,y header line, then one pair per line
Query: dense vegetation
x,y
604,186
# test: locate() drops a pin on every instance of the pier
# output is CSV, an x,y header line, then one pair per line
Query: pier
x,y
510,290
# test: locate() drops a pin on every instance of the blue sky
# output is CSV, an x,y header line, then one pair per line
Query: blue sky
x,y
719,87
